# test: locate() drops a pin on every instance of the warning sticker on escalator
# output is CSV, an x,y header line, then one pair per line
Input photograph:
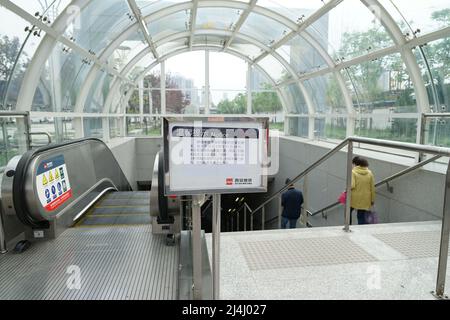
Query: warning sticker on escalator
x,y
52,183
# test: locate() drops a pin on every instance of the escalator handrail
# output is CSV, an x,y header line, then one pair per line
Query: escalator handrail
x,y
19,181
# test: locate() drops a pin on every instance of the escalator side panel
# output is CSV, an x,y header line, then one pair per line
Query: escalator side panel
x,y
91,168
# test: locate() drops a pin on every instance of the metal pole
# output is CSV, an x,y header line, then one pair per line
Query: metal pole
x,y
279,212
216,246
423,125
251,221
349,186
2,237
245,218
197,247
443,253
263,218
238,216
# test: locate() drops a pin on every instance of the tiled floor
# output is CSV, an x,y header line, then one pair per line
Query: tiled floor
x,y
385,261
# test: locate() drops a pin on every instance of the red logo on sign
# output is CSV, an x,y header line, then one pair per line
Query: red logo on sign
x,y
229,181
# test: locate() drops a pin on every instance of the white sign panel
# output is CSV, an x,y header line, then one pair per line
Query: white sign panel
x,y
215,155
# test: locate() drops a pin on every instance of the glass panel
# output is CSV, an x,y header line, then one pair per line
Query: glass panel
x,y
203,40
153,79
155,102
99,23
326,94
170,24
143,126
294,10
276,122
274,68
127,51
59,128
381,86
438,59
170,47
298,126
228,102
263,29
180,74
140,66
382,126
40,9
216,18
93,127
68,129
17,47
98,93
348,37
259,81
296,103
438,132
150,6
249,50
60,81
115,127
302,56
427,16
336,128
227,72
133,103
183,101
12,139
266,102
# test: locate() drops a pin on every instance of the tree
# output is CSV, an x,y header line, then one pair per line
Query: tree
x,y
176,100
266,101
9,50
236,106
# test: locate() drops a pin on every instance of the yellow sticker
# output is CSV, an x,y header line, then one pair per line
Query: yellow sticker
x,y
57,174
44,180
51,177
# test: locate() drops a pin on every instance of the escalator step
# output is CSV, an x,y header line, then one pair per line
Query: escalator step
x,y
115,220
119,210
124,202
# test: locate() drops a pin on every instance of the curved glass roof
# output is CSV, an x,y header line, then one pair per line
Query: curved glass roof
x,y
350,59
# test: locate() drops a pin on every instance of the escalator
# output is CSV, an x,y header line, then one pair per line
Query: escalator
x,y
118,209
79,184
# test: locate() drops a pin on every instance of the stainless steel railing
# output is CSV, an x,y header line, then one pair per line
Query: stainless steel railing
x,y
382,182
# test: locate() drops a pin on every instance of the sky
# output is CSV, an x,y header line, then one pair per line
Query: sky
x,y
228,72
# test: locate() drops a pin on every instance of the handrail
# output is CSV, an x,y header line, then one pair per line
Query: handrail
x,y
441,151
436,115
382,182
13,114
302,174
42,133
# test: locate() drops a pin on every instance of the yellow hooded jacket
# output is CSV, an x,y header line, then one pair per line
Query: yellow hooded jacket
x,y
363,188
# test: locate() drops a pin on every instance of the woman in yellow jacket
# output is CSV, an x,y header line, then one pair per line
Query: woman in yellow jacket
x,y
363,189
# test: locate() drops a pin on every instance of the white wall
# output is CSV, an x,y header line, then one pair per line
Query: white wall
x,y
136,157
417,196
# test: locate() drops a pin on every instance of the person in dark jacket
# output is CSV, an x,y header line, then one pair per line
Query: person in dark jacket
x,y
291,202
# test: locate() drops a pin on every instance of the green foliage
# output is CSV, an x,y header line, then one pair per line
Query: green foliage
x,y
9,49
266,102
236,106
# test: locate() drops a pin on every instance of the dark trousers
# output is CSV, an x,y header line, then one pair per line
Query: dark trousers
x,y
285,221
361,215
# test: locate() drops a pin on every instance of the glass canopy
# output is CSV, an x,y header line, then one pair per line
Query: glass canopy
x,y
106,68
